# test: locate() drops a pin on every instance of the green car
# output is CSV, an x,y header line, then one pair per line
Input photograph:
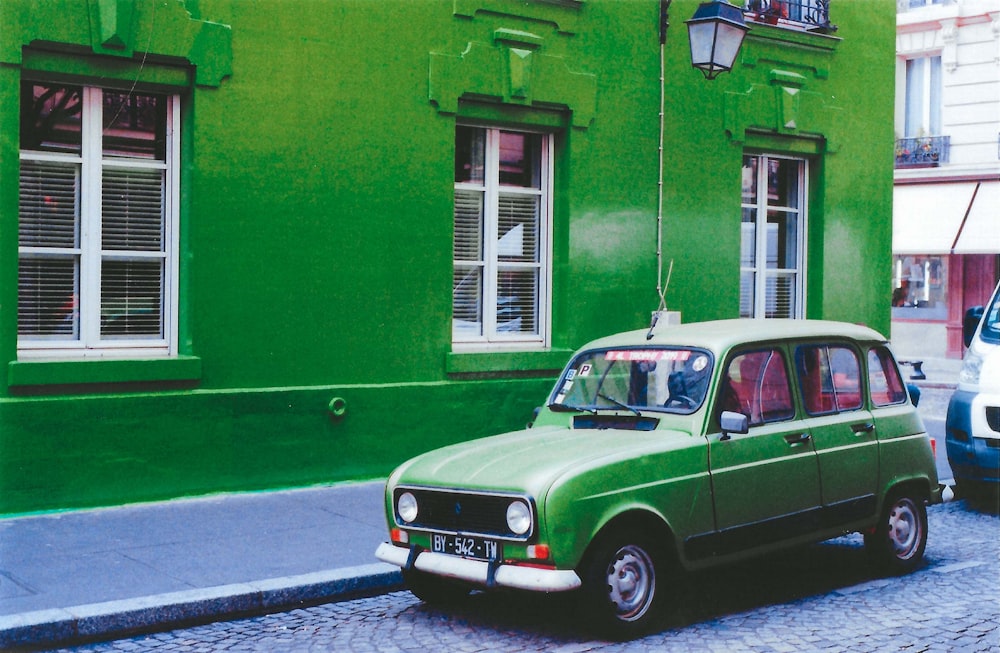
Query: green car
x,y
674,449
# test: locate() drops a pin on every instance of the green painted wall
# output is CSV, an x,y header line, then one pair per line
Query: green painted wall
x,y
317,216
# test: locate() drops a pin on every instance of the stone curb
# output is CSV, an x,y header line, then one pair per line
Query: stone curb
x,y
116,619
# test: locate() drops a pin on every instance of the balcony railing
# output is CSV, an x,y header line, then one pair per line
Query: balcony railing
x,y
811,15
922,151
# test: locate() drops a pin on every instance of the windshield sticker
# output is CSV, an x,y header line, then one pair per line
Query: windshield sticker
x,y
647,355
700,363
570,374
585,369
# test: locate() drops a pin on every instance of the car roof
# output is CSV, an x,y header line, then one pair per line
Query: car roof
x,y
721,335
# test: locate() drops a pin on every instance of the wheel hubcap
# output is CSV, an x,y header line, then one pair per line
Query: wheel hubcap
x,y
631,582
904,529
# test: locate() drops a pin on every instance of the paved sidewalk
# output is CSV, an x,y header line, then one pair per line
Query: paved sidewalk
x,y
112,571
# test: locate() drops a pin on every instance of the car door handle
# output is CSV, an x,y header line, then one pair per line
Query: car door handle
x,y
799,438
861,429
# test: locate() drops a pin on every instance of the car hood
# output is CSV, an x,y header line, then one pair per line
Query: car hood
x,y
532,459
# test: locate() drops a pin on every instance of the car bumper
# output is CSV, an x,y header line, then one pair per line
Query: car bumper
x,y
534,579
973,445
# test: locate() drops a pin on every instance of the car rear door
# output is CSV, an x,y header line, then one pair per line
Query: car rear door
x,y
843,430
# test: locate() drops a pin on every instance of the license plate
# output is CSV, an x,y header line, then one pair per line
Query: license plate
x,y
466,546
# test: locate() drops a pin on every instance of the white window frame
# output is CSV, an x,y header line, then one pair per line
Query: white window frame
x,y
762,273
91,163
491,339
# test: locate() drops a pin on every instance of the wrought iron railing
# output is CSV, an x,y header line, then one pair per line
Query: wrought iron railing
x,y
922,151
813,15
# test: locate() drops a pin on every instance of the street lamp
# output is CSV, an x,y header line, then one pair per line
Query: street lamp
x,y
716,33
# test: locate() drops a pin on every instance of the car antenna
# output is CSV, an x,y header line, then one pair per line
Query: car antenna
x,y
663,302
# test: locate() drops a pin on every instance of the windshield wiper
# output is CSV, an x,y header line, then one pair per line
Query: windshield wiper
x,y
620,404
570,408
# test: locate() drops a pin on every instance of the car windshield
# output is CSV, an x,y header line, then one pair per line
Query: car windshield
x,y
649,378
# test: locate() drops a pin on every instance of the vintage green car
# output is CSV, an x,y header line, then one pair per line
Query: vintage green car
x,y
674,449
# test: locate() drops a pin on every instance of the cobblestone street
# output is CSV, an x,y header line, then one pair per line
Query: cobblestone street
x,y
818,598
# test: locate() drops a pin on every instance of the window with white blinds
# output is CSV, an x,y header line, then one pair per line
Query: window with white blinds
x,y
501,239
97,230
772,256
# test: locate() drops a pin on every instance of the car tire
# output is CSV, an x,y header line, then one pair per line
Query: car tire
x,y
623,585
900,537
434,589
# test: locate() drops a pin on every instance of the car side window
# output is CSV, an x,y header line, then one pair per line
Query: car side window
x,y
756,384
829,377
884,382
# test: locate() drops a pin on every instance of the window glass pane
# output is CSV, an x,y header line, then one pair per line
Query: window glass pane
x,y
517,233
135,125
885,384
783,183
47,292
133,209
131,299
780,301
846,373
920,287
750,180
830,378
747,285
468,245
934,96
915,94
756,385
470,154
520,159
50,118
748,238
812,365
49,201
782,239
517,292
467,293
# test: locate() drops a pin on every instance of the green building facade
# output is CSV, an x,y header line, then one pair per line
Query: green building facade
x,y
255,245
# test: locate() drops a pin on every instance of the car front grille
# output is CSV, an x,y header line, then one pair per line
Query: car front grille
x,y
471,513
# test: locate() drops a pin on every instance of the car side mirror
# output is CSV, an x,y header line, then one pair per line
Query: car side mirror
x,y
914,392
732,422
972,318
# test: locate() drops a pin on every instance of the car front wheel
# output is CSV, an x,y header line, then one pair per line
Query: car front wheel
x,y
900,537
621,586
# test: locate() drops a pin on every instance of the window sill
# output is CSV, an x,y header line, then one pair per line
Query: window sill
x,y
41,373
549,360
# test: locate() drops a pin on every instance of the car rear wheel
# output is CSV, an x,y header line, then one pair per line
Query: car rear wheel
x,y
622,589
434,589
900,537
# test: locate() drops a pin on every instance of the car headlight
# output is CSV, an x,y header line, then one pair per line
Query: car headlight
x,y
518,517
971,367
406,507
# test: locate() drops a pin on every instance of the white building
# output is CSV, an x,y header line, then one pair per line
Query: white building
x,y
946,215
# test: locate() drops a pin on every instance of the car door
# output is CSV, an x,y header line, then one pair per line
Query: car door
x,y
765,482
843,430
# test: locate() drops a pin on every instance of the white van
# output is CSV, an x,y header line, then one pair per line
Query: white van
x,y
973,423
